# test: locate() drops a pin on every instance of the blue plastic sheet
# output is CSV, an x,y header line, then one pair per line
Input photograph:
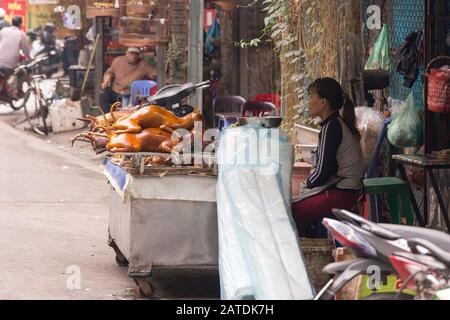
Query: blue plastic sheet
x,y
116,173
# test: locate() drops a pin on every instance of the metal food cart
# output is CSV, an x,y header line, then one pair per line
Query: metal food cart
x,y
161,220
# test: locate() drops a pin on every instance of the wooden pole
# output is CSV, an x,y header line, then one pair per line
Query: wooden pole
x,y
99,58
161,55
195,54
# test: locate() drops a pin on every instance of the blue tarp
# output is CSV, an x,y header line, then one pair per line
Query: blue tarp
x,y
117,173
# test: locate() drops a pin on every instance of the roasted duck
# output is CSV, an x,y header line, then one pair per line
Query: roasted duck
x,y
148,140
107,119
154,117
146,129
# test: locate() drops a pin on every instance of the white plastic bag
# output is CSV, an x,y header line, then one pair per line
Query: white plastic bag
x,y
369,122
395,106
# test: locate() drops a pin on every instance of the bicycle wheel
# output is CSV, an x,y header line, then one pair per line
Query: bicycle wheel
x,y
36,111
18,104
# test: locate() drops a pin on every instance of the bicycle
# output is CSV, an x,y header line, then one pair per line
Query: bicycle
x,y
36,112
13,85
36,109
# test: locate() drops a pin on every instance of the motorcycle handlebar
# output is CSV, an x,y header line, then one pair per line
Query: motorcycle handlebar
x,y
203,84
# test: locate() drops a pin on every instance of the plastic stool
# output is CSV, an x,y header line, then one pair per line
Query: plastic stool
x,y
225,122
395,189
143,89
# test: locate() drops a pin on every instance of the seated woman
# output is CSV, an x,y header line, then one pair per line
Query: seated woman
x,y
338,160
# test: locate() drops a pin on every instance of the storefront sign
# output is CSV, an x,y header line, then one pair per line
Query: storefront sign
x,y
40,14
16,8
72,17
32,2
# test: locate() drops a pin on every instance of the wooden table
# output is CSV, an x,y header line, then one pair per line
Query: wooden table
x,y
427,164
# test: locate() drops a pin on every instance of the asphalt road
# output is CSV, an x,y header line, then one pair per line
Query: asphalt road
x,y
53,226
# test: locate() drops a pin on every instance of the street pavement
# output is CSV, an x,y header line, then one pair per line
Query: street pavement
x,y
53,226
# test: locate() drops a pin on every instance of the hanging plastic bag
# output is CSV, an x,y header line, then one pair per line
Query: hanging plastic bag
x,y
406,128
379,58
369,123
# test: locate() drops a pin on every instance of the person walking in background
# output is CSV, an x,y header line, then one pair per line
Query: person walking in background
x,y
3,22
12,41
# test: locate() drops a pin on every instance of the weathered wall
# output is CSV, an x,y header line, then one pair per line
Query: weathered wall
x,y
246,71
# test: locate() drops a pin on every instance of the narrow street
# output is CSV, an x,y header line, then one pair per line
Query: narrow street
x,y
53,219
54,211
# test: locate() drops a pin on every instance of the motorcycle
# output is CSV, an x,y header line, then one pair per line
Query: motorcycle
x,y
44,41
171,97
14,83
378,247
426,270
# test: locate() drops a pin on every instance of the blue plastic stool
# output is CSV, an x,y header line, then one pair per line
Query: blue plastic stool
x,y
372,170
124,100
225,122
141,88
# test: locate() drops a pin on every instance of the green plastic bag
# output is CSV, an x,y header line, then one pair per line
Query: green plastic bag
x,y
406,128
379,58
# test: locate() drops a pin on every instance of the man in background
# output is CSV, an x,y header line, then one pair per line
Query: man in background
x,y
119,77
3,22
12,41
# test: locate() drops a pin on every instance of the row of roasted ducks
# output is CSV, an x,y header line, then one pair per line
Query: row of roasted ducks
x,y
139,129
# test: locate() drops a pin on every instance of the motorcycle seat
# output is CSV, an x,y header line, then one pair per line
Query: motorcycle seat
x,y
439,238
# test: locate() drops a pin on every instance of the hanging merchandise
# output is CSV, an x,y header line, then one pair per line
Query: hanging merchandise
x,y
438,88
406,128
407,58
379,58
212,34
369,123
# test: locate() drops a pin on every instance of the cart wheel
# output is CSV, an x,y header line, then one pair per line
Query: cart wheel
x,y
121,260
144,287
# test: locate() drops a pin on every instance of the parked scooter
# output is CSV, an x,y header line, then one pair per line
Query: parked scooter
x,y
380,246
44,41
426,270
171,97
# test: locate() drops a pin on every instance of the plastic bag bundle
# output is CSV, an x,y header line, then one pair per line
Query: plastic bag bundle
x,y
395,106
379,58
406,127
259,252
369,122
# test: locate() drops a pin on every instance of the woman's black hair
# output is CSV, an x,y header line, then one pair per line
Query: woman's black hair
x,y
330,90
